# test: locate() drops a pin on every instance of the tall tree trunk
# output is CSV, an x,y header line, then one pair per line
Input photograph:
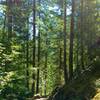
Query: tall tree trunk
x,y
78,45
9,31
65,66
38,70
37,84
27,58
9,3
34,33
71,42
34,47
9,18
82,39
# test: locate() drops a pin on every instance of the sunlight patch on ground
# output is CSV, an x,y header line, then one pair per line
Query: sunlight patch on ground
x,y
97,96
42,99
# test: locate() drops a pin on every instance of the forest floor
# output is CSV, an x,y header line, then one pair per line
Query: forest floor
x,y
96,97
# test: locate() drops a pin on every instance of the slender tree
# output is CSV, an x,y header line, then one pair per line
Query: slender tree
x,y
71,41
78,44
82,39
38,69
65,66
9,23
34,43
27,57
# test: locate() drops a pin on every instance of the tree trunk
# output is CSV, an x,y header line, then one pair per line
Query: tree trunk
x,y
9,16
65,66
71,42
27,58
82,39
34,47
78,45
38,70
9,32
9,26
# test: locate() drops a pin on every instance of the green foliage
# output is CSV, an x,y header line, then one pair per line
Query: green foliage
x,y
16,46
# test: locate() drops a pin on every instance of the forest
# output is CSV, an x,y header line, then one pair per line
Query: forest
x,y
49,49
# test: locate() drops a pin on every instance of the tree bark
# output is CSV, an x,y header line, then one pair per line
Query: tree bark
x,y
38,69
82,39
9,26
27,58
71,42
65,66
34,43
